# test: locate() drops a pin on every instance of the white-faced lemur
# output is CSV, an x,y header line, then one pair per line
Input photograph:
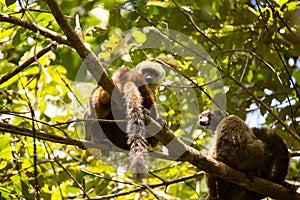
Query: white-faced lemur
x,y
258,151
137,86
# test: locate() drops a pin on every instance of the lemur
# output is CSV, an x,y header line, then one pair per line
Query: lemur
x,y
137,86
260,151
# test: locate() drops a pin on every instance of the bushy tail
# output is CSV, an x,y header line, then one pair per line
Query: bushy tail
x,y
136,131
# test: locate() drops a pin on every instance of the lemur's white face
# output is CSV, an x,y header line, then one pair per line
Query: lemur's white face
x,y
153,73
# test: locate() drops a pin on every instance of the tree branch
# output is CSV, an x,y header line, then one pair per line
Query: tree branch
x,y
83,144
297,137
91,61
166,61
197,28
28,62
35,28
72,40
191,155
177,151
142,187
5,127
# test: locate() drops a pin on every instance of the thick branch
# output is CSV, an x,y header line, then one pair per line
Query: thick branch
x,y
182,152
83,144
91,61
35,28
234,176
177,151
5,127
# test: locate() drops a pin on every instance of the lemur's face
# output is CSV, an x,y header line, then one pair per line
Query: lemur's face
x,y
150,75
211,118
204,118
153,73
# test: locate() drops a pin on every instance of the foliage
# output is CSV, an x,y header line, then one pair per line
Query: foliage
x,y
254,48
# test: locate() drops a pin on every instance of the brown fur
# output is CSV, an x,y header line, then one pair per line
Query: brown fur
x,y
272,164
237,147
276,155
129,136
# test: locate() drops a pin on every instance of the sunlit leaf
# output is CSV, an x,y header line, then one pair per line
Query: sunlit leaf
x,y
139,36
247,44
5,147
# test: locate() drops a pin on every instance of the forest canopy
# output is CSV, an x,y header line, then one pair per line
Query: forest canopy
x,y
240,56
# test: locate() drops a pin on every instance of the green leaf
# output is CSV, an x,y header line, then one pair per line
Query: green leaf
x,y
139,36
10,2
296,74
17,38
6,67
3,164
5,147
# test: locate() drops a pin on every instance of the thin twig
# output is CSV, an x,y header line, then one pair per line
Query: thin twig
x,y
258,57
53,168
295,124
261,102
33,131
191,20
165,61
26,64
72,177
141,187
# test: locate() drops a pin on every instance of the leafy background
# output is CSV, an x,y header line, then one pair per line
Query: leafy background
x,y
255,42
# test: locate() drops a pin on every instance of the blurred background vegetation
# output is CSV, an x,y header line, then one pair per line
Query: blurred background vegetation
x,y
249,64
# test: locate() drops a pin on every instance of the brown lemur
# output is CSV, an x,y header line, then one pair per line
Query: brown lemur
x,y
137,87
260,151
